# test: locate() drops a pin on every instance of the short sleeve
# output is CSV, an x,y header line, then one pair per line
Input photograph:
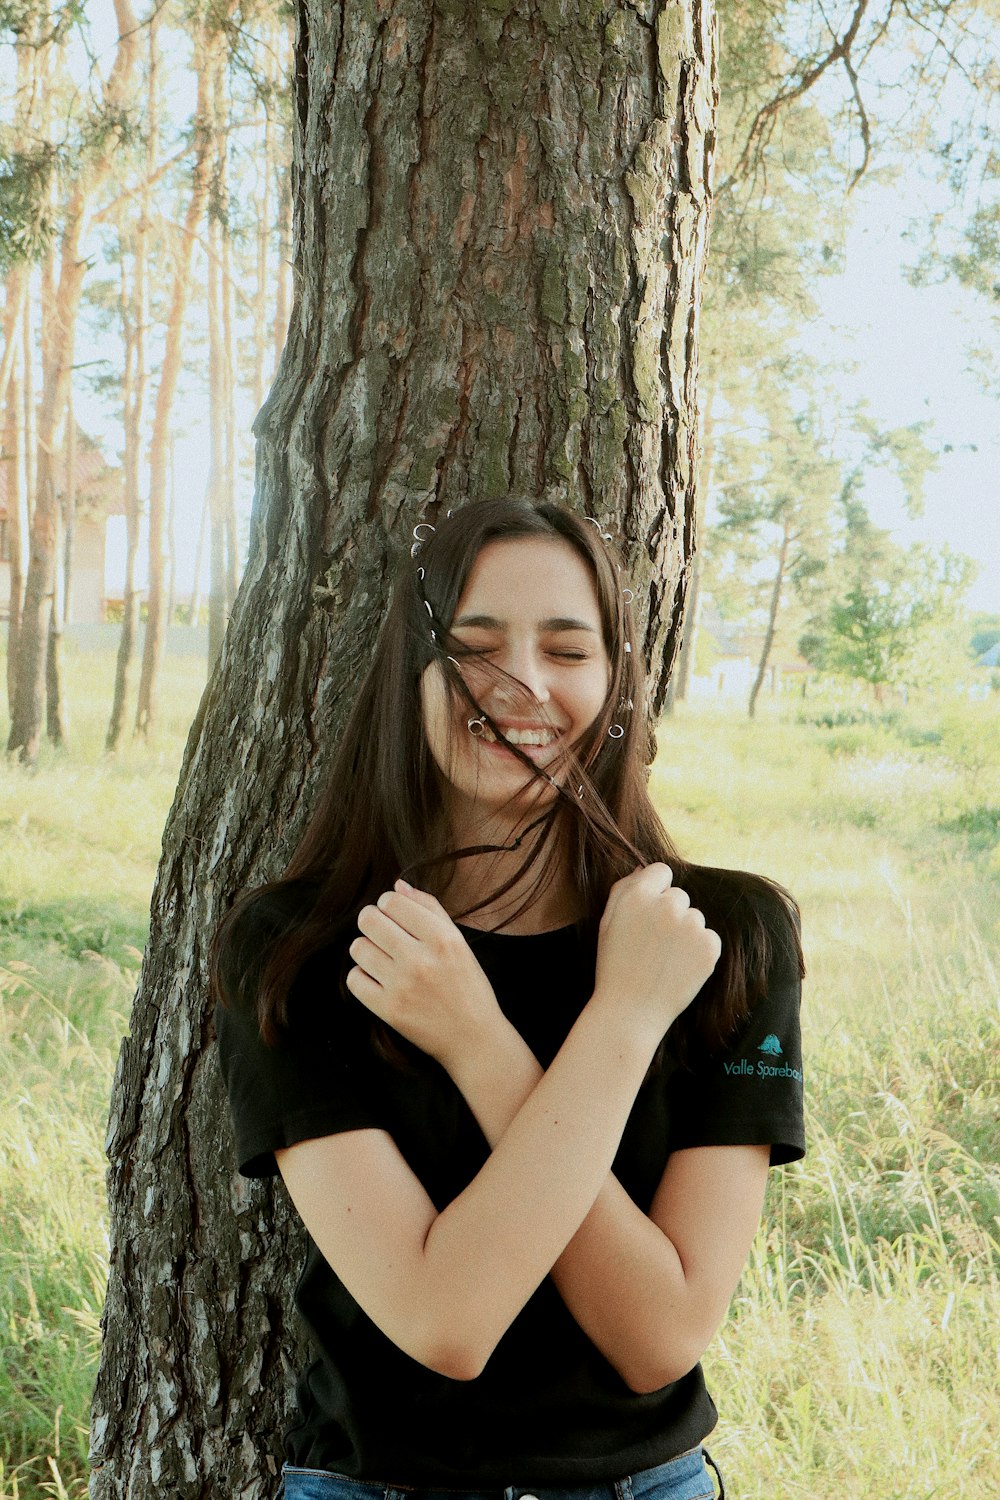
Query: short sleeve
x,y
751,1093
318,1080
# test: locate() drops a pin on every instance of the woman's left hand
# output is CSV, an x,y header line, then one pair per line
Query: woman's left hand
x,y
416,972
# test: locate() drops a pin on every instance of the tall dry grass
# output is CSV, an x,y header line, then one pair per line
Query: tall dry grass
x,y
860,1355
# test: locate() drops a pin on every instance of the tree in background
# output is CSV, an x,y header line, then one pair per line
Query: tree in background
x,y
891,612
775,519
777,225
84,170
811,98
109,180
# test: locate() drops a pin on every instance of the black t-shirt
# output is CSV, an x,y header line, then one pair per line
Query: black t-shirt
x,y
548,1408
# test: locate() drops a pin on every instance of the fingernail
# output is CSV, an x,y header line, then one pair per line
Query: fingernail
x,y
402,885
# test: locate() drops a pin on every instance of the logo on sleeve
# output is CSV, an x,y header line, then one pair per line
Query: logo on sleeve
x,y
771,1047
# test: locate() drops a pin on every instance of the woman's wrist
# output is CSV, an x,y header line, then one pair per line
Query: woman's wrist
x,y
636,1027
495,1075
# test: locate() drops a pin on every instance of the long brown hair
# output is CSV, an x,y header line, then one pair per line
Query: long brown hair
x,y
380,813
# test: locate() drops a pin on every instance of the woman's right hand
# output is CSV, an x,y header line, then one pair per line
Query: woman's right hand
x,y
654,951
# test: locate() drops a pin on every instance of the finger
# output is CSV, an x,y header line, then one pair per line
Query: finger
x,y
372,959
422,919
679,898
380,925
364,988
424,898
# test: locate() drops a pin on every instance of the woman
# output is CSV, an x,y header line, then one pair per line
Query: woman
x,y
524,1099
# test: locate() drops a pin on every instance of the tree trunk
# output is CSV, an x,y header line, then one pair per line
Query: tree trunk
x,y
171,534
134,313
16,292
230,470
500,234
772,620
208,42
14,462
30,422
69,514
55,723
217,591
199,559
680,682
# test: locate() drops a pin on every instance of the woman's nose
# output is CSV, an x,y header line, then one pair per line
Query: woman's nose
x,y
526,666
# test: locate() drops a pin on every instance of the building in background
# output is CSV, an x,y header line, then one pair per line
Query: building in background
x,y
94,489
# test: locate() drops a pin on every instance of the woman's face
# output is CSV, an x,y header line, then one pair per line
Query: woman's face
x,y
530,608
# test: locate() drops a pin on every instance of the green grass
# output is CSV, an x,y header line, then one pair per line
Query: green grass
x,y
859,1358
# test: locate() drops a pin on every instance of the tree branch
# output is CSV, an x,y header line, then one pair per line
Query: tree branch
x,y
765,117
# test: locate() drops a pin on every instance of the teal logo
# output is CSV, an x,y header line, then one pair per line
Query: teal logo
x,y
771,1047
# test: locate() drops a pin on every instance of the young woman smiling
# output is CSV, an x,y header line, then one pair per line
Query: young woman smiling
x,y
495,1034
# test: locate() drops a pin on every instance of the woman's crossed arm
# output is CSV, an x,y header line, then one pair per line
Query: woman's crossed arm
x,y
445,1286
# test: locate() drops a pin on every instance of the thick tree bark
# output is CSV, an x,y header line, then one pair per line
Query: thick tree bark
x,y
500,236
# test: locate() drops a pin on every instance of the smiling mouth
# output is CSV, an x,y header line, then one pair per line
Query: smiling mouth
x,y
523,738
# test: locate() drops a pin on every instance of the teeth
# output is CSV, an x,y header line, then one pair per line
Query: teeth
x,y
536,737
530,736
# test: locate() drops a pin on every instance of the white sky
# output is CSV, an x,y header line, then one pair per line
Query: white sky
x,y
909,346
909,349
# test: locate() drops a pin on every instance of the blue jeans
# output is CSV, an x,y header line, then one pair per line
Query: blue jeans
x,y
683,1478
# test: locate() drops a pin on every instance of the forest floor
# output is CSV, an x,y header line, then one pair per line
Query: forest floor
x,y
859,1356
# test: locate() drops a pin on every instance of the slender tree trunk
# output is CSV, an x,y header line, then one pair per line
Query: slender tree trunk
x,y
772,619
55,720
172,534
230,469
217,613
134,313
56,724
69,513
30,424
132,306
283,298
498,273
209,42
14,463
16,292
680,682
199,558
264,286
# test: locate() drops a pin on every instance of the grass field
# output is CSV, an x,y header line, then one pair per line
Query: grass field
x,y
860,1355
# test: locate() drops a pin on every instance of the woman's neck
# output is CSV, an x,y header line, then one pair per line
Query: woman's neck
x,y
476,875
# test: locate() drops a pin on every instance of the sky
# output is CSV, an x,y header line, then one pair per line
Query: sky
x,y
909,350
909,347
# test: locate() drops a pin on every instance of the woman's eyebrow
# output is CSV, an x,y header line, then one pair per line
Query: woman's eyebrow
x,y
555,622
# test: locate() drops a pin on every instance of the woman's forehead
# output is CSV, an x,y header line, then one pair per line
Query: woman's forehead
x,y
543,577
